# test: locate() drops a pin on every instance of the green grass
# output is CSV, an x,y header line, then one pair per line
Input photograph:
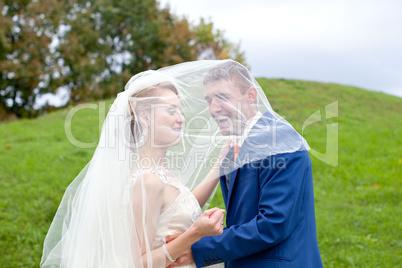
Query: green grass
x,y
358,208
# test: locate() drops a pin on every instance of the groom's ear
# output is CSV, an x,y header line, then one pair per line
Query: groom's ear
x,y
251,94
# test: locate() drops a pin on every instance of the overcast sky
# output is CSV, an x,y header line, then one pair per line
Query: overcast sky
x,y
351,42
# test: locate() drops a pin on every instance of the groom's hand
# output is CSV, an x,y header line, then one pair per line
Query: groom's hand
x,y
185,259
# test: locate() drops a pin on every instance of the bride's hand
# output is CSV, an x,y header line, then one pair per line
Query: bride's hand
x,y
210,222
224,151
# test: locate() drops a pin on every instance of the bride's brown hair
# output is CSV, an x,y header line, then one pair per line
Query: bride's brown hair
x,y
148,92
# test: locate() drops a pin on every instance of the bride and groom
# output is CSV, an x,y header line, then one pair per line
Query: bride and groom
x,y
125,211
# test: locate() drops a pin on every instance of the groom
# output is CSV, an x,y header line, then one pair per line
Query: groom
x,y
269,199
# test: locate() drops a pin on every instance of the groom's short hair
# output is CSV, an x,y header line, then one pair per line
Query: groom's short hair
x,y
230,71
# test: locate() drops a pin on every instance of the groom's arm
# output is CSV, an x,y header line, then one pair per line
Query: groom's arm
x,y
279,207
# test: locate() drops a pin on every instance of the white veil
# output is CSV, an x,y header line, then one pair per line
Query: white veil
x,y
106,217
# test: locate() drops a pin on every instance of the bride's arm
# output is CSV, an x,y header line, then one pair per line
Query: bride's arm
x,y
148,197
204,190
208,224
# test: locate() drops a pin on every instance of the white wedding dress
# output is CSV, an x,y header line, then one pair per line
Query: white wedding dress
x,y
180,214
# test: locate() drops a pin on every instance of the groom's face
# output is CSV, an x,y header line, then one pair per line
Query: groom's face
x,y
227,105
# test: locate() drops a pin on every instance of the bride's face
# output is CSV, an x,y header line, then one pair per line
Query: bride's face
x,y
166,120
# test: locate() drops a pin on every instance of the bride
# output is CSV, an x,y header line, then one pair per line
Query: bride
x,y
135,190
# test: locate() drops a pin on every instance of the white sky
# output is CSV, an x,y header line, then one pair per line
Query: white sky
x,y
351,42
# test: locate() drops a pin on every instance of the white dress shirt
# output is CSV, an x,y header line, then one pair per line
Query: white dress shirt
x,y
238,140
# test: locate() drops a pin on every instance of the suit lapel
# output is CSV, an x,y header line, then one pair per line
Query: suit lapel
x,y
233,176
222,171
245,155
224,189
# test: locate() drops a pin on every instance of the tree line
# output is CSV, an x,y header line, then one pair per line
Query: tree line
x,y
91,48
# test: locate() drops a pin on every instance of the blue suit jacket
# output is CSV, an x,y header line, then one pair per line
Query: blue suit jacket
x,y
270,213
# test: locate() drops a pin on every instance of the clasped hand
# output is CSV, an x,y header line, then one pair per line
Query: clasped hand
x,y
209,223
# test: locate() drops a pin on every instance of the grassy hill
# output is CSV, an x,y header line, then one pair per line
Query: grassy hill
x,y
357,202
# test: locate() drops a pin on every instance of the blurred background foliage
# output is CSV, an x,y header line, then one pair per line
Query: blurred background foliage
x,y
91,48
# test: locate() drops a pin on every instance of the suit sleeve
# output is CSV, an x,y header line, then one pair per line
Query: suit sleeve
x,y
281,190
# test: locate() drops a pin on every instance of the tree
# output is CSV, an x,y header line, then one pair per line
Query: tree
x,y
91,48
213,45
81,54
25,57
